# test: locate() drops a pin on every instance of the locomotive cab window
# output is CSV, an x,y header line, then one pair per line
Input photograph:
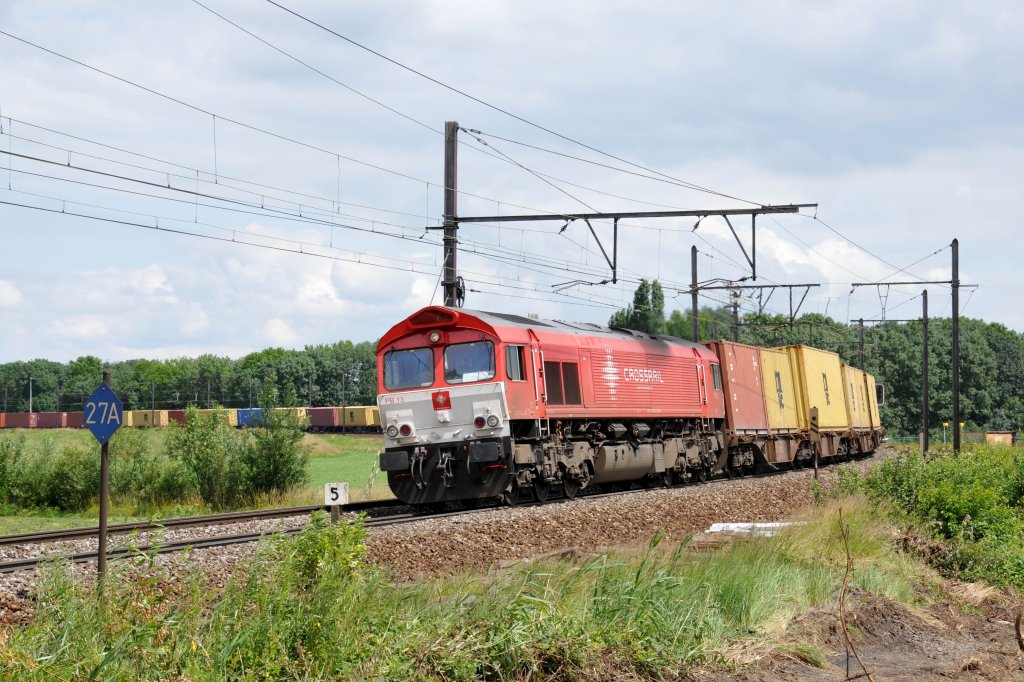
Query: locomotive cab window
x,y
466,362
514,365
716,377
413,368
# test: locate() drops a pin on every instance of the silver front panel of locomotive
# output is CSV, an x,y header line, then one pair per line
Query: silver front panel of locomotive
x,y
444,415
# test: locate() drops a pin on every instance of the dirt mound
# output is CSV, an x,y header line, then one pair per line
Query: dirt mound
x,y
952,639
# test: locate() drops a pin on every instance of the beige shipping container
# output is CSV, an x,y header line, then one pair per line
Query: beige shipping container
x,y
781,396
857,409
149,418
126,416
819,379
230,415
299,412
872,395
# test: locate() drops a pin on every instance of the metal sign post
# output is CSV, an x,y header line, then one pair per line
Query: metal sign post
x,y
103,416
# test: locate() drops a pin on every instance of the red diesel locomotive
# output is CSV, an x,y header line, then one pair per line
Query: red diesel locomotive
x,y
478,405
481,405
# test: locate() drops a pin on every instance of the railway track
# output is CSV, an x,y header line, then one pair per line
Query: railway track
x,y
183,522
215,541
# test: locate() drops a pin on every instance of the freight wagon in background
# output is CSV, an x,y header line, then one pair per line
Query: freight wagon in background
x,y
354,419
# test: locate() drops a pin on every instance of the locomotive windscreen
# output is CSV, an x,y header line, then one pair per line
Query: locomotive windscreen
x,y
465,362
413,368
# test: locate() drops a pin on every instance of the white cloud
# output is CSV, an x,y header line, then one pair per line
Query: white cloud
x,y
10,297
277,332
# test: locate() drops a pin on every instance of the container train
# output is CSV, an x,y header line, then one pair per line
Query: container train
x,y
478,405
356,419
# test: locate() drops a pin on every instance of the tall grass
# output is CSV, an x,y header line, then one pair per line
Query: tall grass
x,y
310,608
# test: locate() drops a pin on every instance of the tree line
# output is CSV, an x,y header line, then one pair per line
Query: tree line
x,y
342,373
991,357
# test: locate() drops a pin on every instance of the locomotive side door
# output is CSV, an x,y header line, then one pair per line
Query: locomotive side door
x,y
537,376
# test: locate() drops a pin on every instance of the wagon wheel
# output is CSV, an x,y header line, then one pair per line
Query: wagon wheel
x,y
540,490
570,487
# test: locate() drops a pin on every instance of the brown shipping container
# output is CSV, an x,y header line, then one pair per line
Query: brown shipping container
x,y
322,417
741,382
21,420
3,420
76,420
176,416
52,420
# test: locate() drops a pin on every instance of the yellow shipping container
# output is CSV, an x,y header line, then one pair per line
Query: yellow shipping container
x,y
819,378
781,397
361,415
299,412
126,415
857,409
872,396
230,415
149,418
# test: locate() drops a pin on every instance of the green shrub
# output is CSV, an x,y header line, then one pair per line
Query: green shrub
x,y
145,476
971,500
275,459
211,451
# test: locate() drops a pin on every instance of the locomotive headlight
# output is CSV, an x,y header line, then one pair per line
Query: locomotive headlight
x,y
479,422
405,430
493,420
392,431
434,336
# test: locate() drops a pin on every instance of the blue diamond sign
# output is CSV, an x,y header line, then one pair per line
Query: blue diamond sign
x,y
104,413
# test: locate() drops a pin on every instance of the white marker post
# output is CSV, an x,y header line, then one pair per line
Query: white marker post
x,y
335,497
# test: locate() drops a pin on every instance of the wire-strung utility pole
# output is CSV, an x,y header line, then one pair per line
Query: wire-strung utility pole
x,y
954,283
454,288
924,372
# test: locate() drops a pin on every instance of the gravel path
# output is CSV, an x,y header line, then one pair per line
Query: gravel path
x,y
448,546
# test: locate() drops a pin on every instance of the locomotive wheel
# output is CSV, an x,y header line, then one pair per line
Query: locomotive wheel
x,y
667,478
540,490
570,487
511,496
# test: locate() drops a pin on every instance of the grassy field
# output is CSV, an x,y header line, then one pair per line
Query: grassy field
x,y
334,458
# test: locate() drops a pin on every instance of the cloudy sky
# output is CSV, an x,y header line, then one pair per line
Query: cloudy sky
x,y
902,121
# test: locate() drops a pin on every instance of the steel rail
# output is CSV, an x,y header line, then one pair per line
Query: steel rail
x,y
184,522
208,542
